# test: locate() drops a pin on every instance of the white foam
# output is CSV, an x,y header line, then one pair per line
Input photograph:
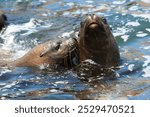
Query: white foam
x,y
89,1
2,84
101,8
61,82
43,1
66,13
70,4
3,98
90,61
53,90
134,8
30,27
119,2
146,48
22,0
133,24
125,37
120,31
141,34
147,61
130,67
44,14
67,34
12,31
9,85
146,71
146,16
4,71
148,29
43,66
147,1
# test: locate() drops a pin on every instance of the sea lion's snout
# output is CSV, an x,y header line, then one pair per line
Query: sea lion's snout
x,y
95,23
92,25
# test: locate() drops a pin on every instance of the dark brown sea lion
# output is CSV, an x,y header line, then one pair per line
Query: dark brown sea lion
x,y
95,42
3,20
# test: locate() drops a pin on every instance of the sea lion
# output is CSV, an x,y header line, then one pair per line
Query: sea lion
x,y
49,54
95,42
3,20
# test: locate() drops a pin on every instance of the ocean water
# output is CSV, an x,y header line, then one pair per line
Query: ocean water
x,y
35,21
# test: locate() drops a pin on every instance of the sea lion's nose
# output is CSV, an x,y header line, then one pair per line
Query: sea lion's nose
x,y
92,16
92,21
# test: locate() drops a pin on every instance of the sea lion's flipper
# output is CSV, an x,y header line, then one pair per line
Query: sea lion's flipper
x,y
52,48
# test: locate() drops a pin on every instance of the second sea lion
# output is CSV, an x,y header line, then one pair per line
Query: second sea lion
x,y
3,20
95,42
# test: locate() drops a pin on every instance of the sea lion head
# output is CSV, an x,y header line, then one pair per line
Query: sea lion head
x,y
94,32
96,41
3,20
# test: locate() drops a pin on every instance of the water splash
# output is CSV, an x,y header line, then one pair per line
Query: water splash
x,y
12,32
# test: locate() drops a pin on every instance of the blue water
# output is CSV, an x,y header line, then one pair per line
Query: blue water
x,y
35,21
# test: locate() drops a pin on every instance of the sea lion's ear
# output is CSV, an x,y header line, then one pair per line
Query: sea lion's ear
x,y
48,50
43,53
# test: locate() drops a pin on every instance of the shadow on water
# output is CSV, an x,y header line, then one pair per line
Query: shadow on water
x,y
33,22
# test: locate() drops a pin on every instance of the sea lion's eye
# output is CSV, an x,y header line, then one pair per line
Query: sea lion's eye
x,y
104,20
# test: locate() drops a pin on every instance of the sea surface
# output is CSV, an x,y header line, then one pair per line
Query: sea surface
x,y
35,21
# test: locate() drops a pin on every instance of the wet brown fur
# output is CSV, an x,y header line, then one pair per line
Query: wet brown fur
x,y
95,42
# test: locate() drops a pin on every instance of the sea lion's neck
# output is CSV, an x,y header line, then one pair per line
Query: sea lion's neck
x,y
97,55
